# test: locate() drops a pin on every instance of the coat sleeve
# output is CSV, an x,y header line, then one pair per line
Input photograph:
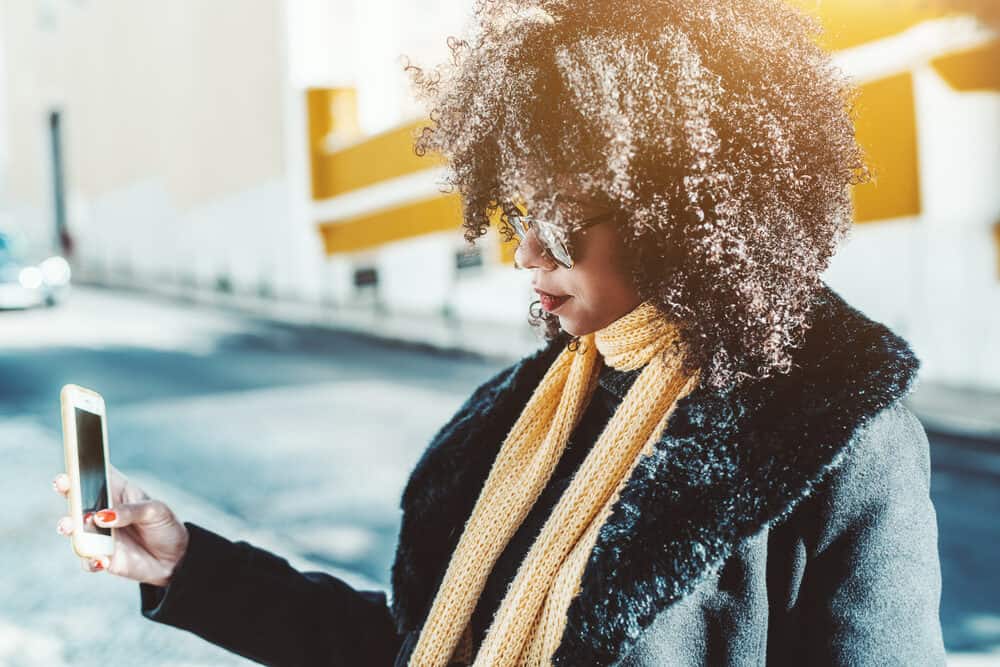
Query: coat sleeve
x,y
872,587
253,603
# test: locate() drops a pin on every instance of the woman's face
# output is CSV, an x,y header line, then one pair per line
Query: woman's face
x,y
598,291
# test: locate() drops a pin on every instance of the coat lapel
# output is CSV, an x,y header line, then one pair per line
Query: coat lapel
x,y
729,463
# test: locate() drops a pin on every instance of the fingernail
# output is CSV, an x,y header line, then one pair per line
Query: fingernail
x,y
97,564
59,528
107,516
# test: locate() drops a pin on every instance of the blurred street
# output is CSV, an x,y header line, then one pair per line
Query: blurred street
x,y
298,439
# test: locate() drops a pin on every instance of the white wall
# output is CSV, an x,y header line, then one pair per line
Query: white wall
x,y
934,278
173,131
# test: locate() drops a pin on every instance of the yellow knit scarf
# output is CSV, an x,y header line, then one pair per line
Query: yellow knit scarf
x,y
529,623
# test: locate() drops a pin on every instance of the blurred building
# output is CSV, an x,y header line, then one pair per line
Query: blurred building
x,y
184,132
264,148
925,252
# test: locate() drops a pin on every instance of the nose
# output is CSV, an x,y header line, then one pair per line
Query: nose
x,y
531,254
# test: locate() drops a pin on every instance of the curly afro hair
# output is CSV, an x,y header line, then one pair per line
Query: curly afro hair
x,y
719,131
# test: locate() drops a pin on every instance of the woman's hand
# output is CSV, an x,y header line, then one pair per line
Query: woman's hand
x,y
149,540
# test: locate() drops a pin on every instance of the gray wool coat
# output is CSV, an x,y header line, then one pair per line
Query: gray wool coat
x,y
784,522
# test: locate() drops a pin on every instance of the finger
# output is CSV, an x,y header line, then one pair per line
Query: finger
x,y
116,473
146,511
65,526
98,564
60,484
117,479
120,482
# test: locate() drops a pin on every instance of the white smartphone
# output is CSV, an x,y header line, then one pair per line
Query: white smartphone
x,y
85,443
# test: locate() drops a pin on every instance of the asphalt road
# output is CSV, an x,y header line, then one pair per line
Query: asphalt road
x,y
300,440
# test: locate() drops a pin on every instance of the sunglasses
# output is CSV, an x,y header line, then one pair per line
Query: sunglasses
x,y
551,242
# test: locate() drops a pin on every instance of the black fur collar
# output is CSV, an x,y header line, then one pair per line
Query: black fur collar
x,y
728,464
616,381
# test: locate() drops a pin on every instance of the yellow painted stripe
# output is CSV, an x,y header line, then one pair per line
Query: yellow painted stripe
x,y
332,114
369,161
887,130
439,213
848,23
436,214
975,69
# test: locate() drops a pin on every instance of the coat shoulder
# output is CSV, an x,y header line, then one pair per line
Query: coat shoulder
x,y
855,568
885,469
894,440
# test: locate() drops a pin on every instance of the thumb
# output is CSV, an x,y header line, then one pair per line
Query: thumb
x,y
126,514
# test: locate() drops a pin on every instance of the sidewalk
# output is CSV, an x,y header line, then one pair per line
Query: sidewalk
x,y
485,339
946,410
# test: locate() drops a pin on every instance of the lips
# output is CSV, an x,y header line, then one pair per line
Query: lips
x,y
551,302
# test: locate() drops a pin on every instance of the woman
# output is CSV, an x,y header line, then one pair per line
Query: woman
x,y
708,462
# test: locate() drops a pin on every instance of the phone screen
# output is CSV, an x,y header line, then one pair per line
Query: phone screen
x,y
93,483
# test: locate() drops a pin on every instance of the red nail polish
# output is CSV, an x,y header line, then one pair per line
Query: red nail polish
x,y
97,564
107,516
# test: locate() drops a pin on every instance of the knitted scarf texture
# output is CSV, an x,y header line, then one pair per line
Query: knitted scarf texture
x,y
528,626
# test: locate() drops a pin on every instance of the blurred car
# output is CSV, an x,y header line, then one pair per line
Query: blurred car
x,y
27,280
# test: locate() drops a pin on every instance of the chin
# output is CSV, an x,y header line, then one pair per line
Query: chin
x,y
573,328
568,327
